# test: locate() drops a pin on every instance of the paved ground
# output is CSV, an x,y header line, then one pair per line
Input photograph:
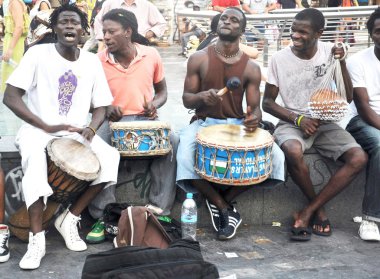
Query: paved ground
x,y
262,252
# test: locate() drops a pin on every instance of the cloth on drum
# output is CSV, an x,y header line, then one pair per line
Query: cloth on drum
x,y
32,142
163,187
187,149
330,140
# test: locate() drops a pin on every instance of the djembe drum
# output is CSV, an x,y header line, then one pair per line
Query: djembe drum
x,y
71,168
141,138
227,154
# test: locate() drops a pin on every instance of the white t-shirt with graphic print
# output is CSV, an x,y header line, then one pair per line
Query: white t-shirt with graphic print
x,y
297,79
61,91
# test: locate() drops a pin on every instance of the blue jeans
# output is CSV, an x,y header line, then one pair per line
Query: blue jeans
x,y
369,139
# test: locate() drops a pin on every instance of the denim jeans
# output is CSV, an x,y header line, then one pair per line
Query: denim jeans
x,y
369,139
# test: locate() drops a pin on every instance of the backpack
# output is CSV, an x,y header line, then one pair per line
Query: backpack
x,y
139,227
112,213
182,259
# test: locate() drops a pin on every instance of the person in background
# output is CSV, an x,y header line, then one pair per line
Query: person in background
x,y
221,5
16,23
151,22
189,29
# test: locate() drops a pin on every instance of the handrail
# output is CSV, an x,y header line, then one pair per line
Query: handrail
x,y
330,9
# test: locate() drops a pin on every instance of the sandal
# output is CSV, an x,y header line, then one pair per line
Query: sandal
x,y
322,224
300,234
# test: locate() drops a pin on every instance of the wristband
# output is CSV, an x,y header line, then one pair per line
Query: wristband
x,y
92,129
299,118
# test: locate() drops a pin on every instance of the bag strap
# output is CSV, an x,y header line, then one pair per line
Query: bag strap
x,y
130,217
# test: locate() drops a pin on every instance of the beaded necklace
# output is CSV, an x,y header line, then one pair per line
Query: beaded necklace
x,y
225,55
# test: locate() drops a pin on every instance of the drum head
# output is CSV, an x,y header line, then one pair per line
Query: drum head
x,y
74,158
140,125
234,136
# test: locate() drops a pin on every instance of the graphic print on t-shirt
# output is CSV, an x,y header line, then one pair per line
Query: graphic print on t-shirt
x,y
67,85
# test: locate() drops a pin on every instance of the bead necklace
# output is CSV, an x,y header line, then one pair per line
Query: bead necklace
x,y
225,55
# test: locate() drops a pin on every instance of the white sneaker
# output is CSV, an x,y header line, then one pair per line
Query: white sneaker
x,y
369,231
4,246
35,253
66,224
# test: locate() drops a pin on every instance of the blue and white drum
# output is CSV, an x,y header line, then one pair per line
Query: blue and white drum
x,y
227,154
141,138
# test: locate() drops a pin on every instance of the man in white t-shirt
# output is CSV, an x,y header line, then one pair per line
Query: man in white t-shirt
x,y
295,73
259,7
364,68
62,84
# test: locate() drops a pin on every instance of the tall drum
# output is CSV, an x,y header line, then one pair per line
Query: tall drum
x,y
227,154
72,166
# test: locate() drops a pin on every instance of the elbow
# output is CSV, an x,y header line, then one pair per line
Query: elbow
x,y
266,106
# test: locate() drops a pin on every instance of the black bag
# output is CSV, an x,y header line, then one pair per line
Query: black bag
x,y
182,259
111,216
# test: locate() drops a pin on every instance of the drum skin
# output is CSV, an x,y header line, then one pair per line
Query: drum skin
x,y
141,138
227,154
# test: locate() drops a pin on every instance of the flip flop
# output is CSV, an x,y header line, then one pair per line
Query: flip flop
x,y
300,234
323,224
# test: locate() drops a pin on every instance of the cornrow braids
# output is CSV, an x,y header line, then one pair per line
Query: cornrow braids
x,y
72,8
126,19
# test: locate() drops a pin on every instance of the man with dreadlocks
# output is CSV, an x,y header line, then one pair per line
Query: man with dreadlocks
x,y
135,76
60,90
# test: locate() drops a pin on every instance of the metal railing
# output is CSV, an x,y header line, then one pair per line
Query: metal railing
x,y
271,32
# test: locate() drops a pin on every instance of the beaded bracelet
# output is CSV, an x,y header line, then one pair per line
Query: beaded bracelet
x,y
92,129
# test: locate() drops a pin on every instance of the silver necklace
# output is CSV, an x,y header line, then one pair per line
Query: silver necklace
x,y
225,55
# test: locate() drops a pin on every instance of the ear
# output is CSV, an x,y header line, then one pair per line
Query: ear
x,y
320,32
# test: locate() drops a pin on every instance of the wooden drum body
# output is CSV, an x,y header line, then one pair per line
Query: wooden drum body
x,y
141,138
72,166
227,154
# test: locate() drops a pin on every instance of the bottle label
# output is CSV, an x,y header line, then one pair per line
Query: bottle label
x,y
189,219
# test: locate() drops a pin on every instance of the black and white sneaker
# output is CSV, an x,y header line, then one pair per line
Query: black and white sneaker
x,y
214,212
230,220
4,248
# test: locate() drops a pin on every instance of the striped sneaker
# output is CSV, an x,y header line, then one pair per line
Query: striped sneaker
x,y
214,212
229,222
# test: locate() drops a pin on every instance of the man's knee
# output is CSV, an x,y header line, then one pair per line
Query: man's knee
x,y
356,157
293,151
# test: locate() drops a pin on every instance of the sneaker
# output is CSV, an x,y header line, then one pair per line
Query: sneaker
x,y
214,212
67,225
229,222
369,231
36,251
96,235
4,245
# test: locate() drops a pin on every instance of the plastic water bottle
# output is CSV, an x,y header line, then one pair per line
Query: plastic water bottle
x,y
189,217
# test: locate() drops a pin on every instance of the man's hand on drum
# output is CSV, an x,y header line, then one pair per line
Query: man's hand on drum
x,y
210,98
150,110
114,113
309,126
51,129
251,122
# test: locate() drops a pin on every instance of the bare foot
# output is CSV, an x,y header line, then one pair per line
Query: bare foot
x,y
321,224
